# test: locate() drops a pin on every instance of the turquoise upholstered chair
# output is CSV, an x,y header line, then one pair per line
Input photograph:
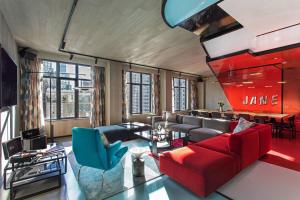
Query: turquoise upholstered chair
x,y
90,151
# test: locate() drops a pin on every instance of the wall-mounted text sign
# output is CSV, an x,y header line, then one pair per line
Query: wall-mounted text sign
x,y
261,100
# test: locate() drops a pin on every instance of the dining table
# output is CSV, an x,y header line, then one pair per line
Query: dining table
x,y
277,116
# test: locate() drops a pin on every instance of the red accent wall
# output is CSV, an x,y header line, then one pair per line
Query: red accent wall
x,y
263,74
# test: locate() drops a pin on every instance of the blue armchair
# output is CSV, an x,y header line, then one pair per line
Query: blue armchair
x,y
90,151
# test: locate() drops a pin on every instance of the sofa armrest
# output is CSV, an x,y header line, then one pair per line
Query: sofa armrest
x,y
156,119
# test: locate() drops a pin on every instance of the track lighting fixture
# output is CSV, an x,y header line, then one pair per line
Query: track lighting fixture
x,y
71,56
96,61
129,65
63,44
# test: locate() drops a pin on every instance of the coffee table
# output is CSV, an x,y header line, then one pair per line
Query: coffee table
x,y
163,141
136,126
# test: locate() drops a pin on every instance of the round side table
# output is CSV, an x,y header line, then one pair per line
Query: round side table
x,y
138,162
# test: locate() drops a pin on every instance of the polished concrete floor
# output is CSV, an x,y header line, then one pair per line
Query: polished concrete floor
x,y
260,181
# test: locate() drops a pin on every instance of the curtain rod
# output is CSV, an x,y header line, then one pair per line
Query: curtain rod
x,y
63,44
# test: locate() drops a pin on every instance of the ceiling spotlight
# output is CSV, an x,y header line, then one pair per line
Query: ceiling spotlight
x,y
268,86
275,58
239,85
71,56
281,82
63,44
255,74
247,82
227,83
251,87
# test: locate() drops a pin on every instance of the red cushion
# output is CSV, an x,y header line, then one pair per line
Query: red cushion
x,y
265,138
246,145
199,169
218,143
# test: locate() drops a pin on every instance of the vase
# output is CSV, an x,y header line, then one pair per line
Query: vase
x,y
221,109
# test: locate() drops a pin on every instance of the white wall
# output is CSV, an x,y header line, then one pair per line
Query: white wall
x,y
214,94
8,43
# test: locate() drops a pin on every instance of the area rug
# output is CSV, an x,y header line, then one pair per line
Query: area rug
x,y
117,179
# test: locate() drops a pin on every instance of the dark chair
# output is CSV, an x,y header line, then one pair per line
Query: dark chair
x,y
194,113
290,126
228,116
275,127
245,116
205,114
216,115
261,119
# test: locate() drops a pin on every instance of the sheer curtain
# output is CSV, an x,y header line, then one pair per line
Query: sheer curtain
x,y
156,94
125,97
31,106
194,94
98,97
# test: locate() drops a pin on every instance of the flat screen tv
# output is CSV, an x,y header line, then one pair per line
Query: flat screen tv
x,y
8,80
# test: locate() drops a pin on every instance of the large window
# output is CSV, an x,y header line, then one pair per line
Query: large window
x,y
179,94
140,92
66,99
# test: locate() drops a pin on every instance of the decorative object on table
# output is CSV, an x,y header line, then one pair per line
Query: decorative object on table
x,y
11,147
96,155
221,105
137,161
33,140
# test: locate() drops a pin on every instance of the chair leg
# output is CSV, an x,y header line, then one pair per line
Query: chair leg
x,y
102,175
78,174
123,162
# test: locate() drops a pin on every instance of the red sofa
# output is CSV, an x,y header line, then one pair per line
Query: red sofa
x,y
205,166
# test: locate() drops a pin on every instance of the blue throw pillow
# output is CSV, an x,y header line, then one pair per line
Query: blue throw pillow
x,y
243,125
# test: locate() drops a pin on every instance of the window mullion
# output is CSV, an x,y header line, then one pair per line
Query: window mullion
x,y
141,94
76,93
58,91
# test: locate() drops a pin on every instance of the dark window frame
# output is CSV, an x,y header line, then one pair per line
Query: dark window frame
x,y
58,79
141,84
179,90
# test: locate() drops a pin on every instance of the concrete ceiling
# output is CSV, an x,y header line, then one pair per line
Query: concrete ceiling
x,y
127,30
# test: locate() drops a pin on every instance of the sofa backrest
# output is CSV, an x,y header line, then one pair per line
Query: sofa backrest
x,y
246,145
192,120
217,124
265,136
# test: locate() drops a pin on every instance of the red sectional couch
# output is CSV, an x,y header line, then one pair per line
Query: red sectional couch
x,y
205,166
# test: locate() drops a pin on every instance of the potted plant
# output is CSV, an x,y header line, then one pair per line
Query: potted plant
x,y
221,104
